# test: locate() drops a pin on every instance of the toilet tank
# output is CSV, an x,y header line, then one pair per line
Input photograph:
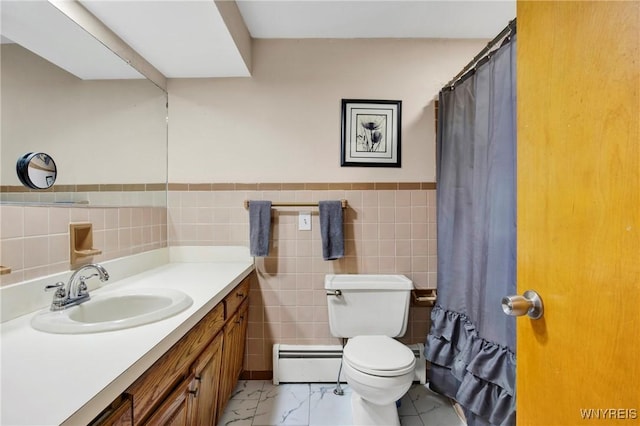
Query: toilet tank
x,y
360,304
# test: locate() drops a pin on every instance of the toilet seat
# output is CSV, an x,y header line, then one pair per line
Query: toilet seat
x,y
379,356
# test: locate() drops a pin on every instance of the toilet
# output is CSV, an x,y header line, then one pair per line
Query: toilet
x,y
369,311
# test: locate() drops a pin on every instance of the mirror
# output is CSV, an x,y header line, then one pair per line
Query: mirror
x,y
108,134
36,170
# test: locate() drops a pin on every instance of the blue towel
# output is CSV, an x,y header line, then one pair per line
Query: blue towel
x,y
331,229
259,227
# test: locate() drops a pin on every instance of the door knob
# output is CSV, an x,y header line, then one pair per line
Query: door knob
x,y
529,304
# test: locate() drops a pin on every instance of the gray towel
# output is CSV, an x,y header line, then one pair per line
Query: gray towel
x,y
259,227
331,229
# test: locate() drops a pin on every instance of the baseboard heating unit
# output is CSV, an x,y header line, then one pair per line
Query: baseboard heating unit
x,y
321,363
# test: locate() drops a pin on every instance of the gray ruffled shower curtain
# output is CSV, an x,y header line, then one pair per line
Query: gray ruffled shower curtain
x,y
471,343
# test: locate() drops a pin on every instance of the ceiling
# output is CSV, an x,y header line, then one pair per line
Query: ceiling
x,y
377,18
192,38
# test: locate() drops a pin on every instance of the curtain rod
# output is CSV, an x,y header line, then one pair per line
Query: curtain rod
x,y
510,28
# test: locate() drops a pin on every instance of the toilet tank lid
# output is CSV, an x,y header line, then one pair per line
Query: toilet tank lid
x,y
367,282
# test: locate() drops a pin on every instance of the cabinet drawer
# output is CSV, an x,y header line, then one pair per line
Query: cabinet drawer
x,y
237,296
158,380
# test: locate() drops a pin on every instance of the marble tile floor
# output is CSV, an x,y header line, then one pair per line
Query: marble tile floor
x,y
260,403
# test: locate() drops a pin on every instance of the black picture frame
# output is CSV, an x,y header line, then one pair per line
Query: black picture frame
x,y
371,133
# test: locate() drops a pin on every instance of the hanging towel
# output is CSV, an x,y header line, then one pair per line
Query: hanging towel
x,y
259,227
331,229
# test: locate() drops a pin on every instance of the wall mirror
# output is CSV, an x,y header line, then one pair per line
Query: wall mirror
x,y
107,133
36,170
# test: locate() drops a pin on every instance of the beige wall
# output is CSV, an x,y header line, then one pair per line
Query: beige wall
x,y
276,136
98,132
283,123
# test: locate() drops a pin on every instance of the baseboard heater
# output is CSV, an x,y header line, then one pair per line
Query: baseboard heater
x,y
321,363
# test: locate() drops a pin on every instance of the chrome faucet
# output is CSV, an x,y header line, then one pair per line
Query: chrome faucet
x,y
75,291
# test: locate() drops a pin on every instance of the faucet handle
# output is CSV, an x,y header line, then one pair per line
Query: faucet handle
x,y
58,287
82,286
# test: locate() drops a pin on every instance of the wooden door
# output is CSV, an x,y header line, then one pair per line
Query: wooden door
x,y
578,94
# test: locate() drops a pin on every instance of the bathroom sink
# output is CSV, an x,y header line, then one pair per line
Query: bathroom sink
x,y
114,311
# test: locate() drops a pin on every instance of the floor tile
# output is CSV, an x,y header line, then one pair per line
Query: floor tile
x,y
285,404
260,403
249,389
328,409
406,407
434,409
410,421
239,412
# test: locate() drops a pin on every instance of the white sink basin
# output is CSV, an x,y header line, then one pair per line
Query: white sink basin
x,y
114,311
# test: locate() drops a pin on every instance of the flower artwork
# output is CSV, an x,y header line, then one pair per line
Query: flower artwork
x,y
371,133
369,137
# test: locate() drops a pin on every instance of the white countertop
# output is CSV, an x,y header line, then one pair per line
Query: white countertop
x,y
52,379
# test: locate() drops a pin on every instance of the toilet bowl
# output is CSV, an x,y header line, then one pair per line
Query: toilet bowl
x,y
378,368
379,371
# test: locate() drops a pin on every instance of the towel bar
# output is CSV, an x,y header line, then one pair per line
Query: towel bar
x,y
294,204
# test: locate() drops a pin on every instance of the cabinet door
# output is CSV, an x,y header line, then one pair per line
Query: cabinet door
x,y
235,332
206,372
161,378
176,409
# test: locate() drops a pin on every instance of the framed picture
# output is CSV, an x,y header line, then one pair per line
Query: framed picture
x,y
370,133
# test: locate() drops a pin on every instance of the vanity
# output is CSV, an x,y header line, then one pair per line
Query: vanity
x,y
178,370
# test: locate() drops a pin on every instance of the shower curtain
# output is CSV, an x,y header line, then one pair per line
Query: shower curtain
x,y
471,342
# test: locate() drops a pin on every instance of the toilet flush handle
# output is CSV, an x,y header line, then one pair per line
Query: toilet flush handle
x,y
337,293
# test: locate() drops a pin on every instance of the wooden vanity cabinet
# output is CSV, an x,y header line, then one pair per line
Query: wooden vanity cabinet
x,y
191,383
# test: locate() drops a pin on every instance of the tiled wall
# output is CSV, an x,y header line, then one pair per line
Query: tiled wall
x,y
389,228
34,240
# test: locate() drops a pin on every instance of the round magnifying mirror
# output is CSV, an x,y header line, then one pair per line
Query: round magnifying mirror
x,y
36,170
